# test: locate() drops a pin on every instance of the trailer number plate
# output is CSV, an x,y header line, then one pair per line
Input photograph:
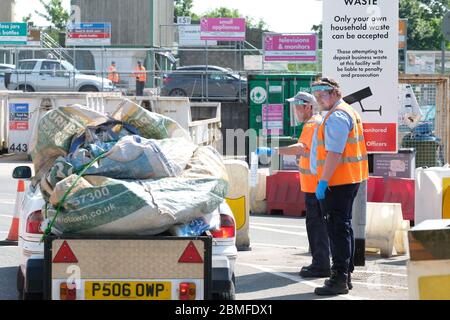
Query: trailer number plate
x,y
128,290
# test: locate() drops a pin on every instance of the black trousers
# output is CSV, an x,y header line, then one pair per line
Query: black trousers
x,y
316,227
337,208
140,88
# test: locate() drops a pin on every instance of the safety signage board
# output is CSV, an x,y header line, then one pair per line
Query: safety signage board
x,y
273,117
290,47
360,51
19,115
13,34
223,29
189,35
88,34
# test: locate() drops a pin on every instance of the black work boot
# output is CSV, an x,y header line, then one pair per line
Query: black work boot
x,y
337,284
315,273
349,281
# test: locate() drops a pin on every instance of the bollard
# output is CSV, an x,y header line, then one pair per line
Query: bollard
x,y
359,224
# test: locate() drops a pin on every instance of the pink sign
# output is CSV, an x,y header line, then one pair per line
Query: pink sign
x,y
290,47
273,115
223,29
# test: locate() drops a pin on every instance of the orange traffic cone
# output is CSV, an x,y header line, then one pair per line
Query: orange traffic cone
x,y
14,229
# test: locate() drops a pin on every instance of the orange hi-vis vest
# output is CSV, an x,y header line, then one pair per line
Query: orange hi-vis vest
x,y
113,75
354,165
308,180
140,74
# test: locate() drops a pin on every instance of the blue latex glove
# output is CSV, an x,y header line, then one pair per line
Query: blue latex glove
x,y
264,151
321,189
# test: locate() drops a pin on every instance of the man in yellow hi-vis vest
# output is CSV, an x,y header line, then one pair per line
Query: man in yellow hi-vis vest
x,y
305,106
339,158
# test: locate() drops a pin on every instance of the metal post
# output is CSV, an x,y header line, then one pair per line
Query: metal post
x,y
74,65
206,70
443,57
103,66
359,224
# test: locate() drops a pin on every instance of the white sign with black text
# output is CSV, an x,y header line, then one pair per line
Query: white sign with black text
x,y
360,51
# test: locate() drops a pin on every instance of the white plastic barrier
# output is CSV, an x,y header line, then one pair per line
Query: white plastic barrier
x,y
401,238
258,194
430,194
383,221
238,199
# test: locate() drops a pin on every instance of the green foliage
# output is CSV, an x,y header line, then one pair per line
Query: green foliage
x,y
183,8
224,12
28,20
424,22
55,13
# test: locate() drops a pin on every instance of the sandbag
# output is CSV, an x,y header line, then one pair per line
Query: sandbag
x,y
135,173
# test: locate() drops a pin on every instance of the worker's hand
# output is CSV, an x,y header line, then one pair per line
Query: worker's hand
x,y
264,151
321,189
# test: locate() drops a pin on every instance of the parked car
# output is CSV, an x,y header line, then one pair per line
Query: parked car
x,y
53,76
205,82
30,272
3,69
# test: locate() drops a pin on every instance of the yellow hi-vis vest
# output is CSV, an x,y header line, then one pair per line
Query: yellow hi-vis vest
x,y
308,180
354,165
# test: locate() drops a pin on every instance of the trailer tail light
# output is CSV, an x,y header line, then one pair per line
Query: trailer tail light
x,y
66,293
188,291
227,228
34,222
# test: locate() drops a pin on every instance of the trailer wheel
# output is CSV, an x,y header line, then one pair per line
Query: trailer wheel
x,y
20,283
226,296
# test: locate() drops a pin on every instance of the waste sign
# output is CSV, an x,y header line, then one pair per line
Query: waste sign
x,y
360,51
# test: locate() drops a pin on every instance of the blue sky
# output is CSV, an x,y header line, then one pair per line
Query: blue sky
x,y
285,16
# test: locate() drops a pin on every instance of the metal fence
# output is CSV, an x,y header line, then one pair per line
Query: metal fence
x,y
72,66
431,138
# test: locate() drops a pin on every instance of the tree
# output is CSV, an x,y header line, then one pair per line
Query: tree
x,y
55,13
224,12
183,8
424,22
318,28
28,21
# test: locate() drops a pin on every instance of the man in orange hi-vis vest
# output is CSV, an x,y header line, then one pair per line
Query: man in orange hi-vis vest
x,y
339,158
305,106
141,78
112,73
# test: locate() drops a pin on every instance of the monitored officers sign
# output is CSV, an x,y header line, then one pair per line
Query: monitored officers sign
x,y
360,50
13,34
88,34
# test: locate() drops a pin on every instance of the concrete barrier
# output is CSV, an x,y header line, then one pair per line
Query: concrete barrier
x,y
429,265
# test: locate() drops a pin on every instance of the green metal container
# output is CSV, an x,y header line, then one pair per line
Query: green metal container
x,y
274,89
